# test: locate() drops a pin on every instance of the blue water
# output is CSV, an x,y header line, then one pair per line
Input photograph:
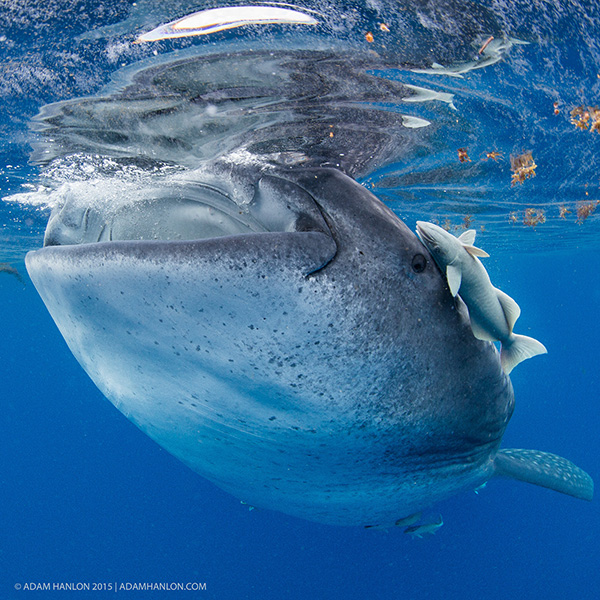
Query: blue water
x,y
89,498
86,497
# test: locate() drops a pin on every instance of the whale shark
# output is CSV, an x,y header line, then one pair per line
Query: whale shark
x,y
289,338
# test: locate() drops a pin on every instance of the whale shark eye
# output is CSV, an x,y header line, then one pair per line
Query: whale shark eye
x,y
419,262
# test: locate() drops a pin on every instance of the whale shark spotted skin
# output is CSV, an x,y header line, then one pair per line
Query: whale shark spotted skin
x,y
297,346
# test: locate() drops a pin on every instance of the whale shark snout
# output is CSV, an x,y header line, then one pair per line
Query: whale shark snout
x,y
306,358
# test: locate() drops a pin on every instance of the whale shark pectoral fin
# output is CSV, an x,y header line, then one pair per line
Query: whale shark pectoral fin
x,y
517,349
546,470
511,309
454,278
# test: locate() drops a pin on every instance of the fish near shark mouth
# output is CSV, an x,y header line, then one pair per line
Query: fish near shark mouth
x,y
196,211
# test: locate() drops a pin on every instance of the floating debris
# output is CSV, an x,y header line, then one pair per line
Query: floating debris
x,y
563,211
533,217
463,156
384,27
486,44
586,118
580,117
493,155
523,166
584,210
369,37
595,126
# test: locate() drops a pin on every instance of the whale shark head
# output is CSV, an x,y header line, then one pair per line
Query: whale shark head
x,y
285,335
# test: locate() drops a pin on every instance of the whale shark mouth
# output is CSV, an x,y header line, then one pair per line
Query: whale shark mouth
x,y
187,211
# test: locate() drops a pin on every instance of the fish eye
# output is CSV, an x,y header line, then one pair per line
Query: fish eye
x,y
419,262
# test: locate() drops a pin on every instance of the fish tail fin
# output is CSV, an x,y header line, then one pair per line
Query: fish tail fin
x,y
517,349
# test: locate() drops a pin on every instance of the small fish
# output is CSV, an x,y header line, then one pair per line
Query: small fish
x,y
418,531
492,312
6,268
405,521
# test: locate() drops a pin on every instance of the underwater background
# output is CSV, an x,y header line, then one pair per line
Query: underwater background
x,y
87,497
